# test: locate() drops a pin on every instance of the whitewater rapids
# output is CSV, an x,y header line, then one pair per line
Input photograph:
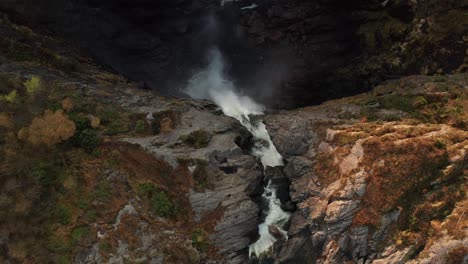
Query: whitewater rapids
x,y
212,84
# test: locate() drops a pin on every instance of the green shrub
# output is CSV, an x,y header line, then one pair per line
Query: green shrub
x,y
159,201
45,172
63,214
146,189
162,205
81,121
140,126
102,191
58,245
88,139
197,139
90,215
79,234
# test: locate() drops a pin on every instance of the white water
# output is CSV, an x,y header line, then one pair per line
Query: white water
x,y
212,84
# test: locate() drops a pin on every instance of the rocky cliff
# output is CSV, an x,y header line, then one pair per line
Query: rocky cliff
x,y
303,52
95,169
379,177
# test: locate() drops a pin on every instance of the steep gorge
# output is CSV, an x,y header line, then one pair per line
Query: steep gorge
x,y
188,188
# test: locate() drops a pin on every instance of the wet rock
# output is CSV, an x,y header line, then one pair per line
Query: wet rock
x,y
274,231
290,135
279,182
288,206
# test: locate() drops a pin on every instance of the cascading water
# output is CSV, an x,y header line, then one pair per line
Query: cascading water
x,y
211,83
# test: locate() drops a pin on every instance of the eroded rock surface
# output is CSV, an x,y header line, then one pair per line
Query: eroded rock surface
x,y
364,170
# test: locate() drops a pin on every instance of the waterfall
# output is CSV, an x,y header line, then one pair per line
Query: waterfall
x,y
211,83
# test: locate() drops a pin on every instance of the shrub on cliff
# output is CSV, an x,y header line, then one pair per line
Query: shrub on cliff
x,y
85,137
162,205
158,200
197,139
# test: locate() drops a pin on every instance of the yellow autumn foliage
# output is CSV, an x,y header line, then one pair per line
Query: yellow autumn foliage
x,y
50,129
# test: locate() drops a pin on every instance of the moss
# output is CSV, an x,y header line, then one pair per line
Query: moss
x,y
197,139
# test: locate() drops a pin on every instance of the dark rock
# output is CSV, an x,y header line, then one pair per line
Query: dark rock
x,y
274,231
297,167
288,206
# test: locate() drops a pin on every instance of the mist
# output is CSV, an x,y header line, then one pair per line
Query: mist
x,y
212,83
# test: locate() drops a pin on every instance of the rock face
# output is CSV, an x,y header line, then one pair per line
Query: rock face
x,y
374,178
359,180
231,176
284,52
